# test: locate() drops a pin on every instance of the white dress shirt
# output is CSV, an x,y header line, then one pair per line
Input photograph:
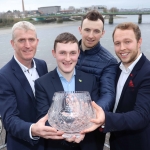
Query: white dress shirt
x,y
31,75
122,79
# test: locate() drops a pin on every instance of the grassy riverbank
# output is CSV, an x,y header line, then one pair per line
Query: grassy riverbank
x,y
4,23
9,22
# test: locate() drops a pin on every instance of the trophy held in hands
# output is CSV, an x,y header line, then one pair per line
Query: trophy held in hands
x,y
71,112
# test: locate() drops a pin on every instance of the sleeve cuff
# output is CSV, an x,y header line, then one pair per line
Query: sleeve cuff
x,y
35,137
102,128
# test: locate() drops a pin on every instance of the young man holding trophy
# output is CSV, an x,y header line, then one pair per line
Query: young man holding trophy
x,y
65,78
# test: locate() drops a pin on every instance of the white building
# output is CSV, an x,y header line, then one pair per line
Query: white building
x,y
49,10
99,8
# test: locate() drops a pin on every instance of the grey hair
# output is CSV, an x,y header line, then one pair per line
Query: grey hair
x,y
22,25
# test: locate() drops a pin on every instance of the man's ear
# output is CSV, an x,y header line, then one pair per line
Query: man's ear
x,y
103,32
54,53
80,29
37,41
12,43
139,43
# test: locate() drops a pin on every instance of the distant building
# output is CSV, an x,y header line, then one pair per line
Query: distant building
x,y
135,10
99,8
85,9
49,10
145,9
66,11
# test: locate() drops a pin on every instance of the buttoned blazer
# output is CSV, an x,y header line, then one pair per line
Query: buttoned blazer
x,y
130,125
17,104
47,85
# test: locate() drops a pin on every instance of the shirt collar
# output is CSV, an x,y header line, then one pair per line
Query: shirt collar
x,y
92,51
24,68
61,76
130,68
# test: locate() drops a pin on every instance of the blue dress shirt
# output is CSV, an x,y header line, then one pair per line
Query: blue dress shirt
x,y
68,86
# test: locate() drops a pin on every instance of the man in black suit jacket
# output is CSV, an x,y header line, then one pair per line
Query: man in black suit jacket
x,y
17,101
65,78
130,123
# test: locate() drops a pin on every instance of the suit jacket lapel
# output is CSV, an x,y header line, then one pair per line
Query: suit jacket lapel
x,y
38,68
21,77
133,74
58,85
79,81
118,75
56,81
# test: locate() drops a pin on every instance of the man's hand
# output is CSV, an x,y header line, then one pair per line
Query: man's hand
x,y
100,118
76,139
47,132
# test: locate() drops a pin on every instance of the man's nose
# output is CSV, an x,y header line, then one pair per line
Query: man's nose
x,y
67,57
122,46
27,43
91,34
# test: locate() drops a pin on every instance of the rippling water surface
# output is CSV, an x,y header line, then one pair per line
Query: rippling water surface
x,y
48,32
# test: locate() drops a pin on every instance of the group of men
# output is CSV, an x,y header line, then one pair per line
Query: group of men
x,y
120,92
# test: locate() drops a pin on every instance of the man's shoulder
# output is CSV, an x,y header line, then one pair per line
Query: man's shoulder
x,y
39,60
101,54
7,67
47,76
85,74
146,65
106,54
41,66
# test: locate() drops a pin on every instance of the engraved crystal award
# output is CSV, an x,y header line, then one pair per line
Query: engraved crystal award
x,y
71,112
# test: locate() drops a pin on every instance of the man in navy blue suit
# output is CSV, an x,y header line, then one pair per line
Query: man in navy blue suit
x,y
65,78
130,123
17,101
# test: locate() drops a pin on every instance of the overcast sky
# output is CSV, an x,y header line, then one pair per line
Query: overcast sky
x,y
6,5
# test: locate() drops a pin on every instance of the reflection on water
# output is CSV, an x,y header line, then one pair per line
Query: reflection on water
x,y
48,32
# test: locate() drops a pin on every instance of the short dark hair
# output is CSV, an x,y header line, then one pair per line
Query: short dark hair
x,y
129,26
93,16
65,37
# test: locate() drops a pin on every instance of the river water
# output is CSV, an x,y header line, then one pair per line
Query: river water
x,y
48,32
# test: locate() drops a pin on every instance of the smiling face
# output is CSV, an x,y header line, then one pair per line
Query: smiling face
x,y
25,44
66,55
126,46
91,32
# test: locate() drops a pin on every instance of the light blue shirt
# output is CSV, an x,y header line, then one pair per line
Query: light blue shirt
x,y
68,86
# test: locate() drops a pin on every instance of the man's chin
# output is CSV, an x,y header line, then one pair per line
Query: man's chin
x,y
90,46
68,71
28,58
